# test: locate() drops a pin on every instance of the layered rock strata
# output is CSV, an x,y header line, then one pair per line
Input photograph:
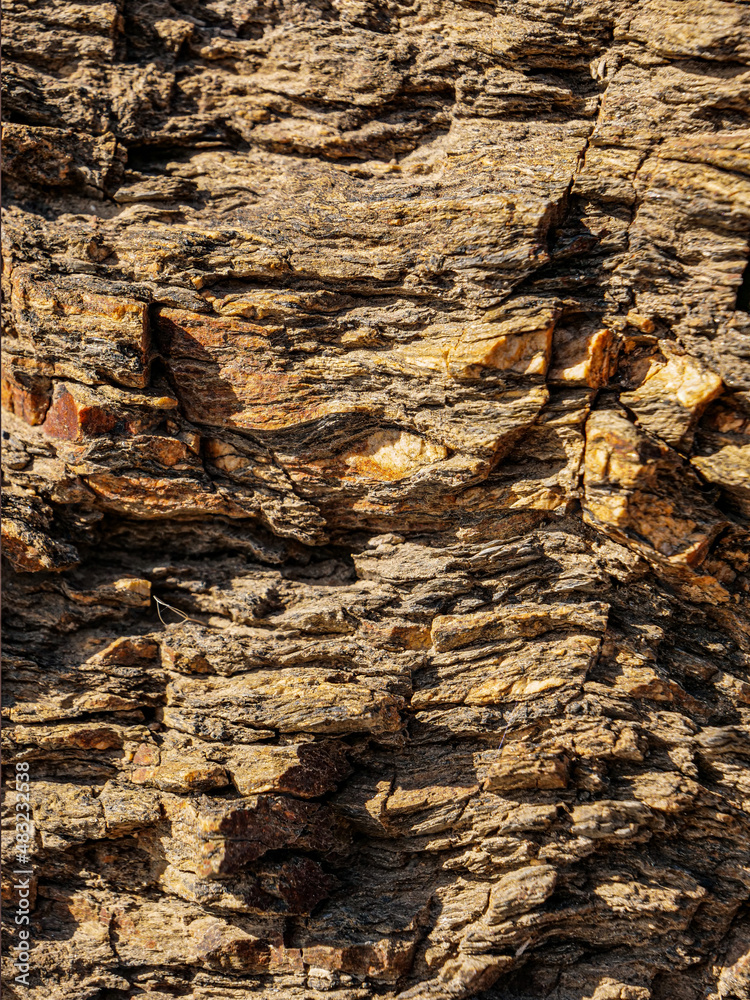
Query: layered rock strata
x,y
403,349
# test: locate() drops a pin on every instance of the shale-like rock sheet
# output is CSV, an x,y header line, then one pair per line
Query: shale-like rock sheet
x,y
403,348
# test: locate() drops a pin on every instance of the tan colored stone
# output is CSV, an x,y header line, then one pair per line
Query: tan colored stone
x,y
518,344
673,395
516,768
589,359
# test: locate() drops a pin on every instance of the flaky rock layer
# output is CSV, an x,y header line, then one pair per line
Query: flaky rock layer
x,y
402,348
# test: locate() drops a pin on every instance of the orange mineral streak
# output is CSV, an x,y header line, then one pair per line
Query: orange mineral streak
x,y
69,420
229,373
28,404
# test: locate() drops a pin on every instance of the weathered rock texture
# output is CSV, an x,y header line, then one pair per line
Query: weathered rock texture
x,y
402,346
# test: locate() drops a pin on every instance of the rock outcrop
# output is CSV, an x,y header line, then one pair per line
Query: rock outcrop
x,y
400,350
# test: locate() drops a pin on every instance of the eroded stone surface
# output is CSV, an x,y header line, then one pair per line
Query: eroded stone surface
x,y
403,350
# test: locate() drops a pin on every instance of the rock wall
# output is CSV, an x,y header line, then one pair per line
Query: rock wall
x,y
402,346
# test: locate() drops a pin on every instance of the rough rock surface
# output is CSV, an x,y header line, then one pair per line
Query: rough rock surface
x,y
403,348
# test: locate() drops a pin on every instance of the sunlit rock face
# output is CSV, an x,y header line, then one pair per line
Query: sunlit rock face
x,y
401,348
